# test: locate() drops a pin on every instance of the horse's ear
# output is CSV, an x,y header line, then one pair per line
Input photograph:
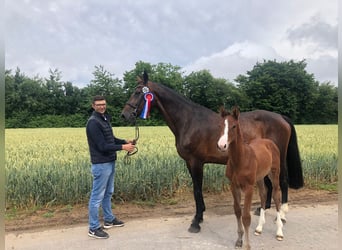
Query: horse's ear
x,y
221,111
145,75
236,112
139,79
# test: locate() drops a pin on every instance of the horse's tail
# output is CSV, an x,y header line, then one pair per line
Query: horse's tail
x,y
294,164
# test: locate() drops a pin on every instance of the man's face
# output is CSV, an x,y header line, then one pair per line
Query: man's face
x,y
99,106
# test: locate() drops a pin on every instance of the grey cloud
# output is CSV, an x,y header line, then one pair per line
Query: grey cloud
x,y
74,36
324,68
317,31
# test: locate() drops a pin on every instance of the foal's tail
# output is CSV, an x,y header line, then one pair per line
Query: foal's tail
x,y
294,164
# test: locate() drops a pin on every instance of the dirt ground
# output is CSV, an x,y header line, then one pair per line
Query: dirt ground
x,y
182,204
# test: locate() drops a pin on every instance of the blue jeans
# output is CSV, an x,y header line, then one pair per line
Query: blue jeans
x,y
101,193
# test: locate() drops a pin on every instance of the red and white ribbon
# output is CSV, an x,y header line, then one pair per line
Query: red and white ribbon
x,y
147,107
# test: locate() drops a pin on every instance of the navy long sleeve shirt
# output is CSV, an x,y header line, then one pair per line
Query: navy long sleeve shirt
x,y
101,140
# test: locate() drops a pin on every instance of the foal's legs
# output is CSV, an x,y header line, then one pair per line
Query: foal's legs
x,y
236,192
263,195
276,197
246,215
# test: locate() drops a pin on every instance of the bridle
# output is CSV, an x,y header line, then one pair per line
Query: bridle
x,y
135,107
135,114
135,140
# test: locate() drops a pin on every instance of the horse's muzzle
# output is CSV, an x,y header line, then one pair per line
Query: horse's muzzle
x,y
222,148
131,118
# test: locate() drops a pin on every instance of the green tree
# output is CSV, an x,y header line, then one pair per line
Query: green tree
x,y
326,105
11,94
37,102
283,87
162,73
54,94
201,87
76,100
168,75
130,77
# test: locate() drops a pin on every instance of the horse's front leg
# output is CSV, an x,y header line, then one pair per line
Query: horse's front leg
x,y
196,172
246,215
236,192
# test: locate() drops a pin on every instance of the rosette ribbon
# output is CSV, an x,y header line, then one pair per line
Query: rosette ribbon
x,y
147,107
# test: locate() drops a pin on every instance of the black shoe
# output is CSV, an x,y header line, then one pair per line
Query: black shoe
x,y
98,233
115,223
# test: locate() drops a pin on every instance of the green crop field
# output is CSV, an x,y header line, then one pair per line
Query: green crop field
x,y
51,166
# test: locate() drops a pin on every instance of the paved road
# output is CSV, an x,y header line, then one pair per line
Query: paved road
x,y
311,227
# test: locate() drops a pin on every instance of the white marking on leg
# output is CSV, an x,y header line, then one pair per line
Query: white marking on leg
x,y
279,223
283,210
261,223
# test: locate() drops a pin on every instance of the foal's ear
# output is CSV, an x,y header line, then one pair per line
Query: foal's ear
x,y
236,112
223,112
139,79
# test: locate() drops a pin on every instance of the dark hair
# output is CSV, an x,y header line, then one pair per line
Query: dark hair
x,y
98,98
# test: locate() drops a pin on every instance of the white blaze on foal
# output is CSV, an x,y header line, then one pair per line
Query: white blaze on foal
x,y
223,141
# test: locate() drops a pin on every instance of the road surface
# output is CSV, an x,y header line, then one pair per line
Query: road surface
x,y
309,227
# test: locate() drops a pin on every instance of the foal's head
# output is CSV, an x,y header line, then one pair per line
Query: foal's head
x,y
231,122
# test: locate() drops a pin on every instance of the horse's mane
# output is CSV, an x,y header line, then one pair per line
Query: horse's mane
x,y
185,101
181,97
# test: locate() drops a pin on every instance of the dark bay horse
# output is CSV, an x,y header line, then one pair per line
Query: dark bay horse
x,y
247,165
197,129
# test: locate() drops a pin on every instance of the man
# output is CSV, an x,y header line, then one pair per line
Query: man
x,y
102,146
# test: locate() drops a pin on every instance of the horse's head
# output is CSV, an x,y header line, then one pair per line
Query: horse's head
x,y
231,121
135,103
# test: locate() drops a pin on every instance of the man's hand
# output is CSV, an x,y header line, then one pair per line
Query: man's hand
x,y
128,147
132,141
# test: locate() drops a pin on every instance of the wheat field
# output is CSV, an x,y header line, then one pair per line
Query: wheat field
x,y
52,166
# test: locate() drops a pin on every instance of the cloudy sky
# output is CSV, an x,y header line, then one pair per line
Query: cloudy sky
x,y
226,37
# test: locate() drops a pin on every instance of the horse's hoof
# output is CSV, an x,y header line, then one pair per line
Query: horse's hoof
x,y
257,233
194,228
280,237
238,244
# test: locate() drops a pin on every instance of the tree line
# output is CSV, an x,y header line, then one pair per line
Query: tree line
x,y
283,87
